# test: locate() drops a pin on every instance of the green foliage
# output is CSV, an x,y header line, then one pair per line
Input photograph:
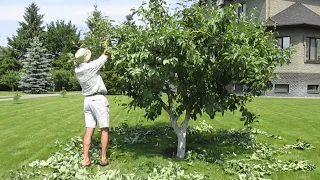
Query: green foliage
x,y
301,145
30,28
63,92
63,73
64,61
65,165
111,80
100,29
61,78
140,157
188,56
11,79
64,78
139,134
260,163
7,63
191,55
16,97
61,37
173,171
36,77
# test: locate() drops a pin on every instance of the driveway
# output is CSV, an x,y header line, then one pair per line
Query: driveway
x,y
29,96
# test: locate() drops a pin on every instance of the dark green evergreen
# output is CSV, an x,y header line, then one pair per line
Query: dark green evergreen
x,y
31,27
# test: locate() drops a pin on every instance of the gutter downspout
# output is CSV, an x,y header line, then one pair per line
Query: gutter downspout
x,y
268,10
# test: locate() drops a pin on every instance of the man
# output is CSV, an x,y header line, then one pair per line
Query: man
x,y
96,105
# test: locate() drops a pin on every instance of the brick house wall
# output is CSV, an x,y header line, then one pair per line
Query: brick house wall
x,y
299,73
299,63
298,84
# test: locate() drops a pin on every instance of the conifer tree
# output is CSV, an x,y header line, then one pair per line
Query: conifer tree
x,y
36,77
31,27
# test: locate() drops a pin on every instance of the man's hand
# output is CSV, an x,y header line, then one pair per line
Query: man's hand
x,y
107,43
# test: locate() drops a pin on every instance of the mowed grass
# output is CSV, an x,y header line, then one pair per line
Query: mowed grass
x,y
8,94
29,130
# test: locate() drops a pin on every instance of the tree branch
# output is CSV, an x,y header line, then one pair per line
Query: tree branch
x,y
165,107
187,117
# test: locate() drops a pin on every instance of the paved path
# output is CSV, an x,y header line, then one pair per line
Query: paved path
x,y
29,96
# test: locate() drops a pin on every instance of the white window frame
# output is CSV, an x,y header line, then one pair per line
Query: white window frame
x,y
313,90
282,41
281,89
316,51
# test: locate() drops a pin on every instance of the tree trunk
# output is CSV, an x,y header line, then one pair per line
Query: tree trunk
x,y
12,88
181,133
182,138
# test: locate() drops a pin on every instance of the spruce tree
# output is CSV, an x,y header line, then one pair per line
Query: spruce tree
x,y
29,28
36,77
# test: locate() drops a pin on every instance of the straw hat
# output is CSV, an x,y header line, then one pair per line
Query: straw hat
x,y
83,55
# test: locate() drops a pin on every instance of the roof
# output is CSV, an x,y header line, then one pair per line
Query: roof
x,y
297,14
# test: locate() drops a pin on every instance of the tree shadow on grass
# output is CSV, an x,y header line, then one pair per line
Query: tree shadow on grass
x,y
159,140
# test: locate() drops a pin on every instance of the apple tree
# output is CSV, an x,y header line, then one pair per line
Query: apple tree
x,y
182,60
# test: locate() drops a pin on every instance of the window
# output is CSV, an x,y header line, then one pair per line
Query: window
x,y
238,88
281,88
313,49
313,89
242,9
284,42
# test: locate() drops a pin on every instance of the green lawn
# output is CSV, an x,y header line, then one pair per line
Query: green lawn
x,y
8,94
30,128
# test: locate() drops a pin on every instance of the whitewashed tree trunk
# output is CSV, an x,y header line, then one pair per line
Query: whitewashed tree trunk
x,y
181,133
182,138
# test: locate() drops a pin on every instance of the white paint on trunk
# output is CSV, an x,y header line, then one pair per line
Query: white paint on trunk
x,y
182,138
181,133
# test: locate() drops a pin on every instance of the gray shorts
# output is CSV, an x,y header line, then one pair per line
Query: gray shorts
x,y
96,110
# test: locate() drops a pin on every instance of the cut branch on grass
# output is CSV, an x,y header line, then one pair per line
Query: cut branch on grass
x,y
260,162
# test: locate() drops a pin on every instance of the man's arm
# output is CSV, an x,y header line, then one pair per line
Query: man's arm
x,y
98,64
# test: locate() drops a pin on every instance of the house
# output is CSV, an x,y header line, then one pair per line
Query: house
x,y
297,23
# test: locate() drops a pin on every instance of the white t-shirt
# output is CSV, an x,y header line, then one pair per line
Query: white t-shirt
x,y
89,78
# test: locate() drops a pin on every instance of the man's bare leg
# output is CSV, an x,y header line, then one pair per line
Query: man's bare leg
x,y
104,145
86,146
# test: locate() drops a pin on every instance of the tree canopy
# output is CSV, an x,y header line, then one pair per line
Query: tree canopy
x,y
31,27
10,78
182,61
62,36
